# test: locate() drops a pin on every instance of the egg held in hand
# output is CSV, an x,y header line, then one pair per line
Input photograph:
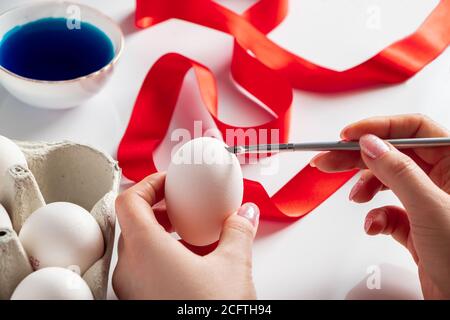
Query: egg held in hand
x,y
204,185
52,284
62,234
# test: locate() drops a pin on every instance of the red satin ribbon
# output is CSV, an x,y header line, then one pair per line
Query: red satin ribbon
x,y
394,64
268,72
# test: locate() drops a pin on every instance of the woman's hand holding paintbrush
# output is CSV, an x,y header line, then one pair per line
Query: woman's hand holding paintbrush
x,y
419,177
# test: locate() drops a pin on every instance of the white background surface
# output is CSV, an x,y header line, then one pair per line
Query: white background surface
x,y
327,254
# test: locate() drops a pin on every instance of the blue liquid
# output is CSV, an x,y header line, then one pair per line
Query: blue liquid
x,y
47,49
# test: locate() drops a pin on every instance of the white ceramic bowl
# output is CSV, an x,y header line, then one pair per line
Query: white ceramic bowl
x,y
66,93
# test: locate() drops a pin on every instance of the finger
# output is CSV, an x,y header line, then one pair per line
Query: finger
x,y
238,232
120,245
160,211
399,126
366,187
389,220
160,205
393,221
134,206
337,161
402,126
425,166
401,174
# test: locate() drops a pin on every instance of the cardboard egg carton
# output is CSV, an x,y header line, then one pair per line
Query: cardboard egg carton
x,y
63,171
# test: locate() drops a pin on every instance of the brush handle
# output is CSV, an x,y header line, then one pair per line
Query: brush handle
x,y
338,145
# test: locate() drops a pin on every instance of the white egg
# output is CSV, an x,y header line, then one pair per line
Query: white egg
x,y
10,155
62,234
52,284
204,185
5,221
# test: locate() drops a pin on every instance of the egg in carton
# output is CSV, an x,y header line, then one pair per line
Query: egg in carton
x,y
62,171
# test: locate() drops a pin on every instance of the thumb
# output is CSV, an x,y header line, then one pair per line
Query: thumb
x,y
238,232
401,174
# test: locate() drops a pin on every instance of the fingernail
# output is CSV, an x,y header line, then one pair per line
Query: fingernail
x,y
356,189
312,162
368,223
373,146
249,211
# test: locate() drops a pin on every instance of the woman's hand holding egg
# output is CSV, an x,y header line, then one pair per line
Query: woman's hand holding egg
x,y
154,265
203,190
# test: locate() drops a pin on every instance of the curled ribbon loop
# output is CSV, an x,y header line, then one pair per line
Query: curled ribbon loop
x,y
394,64
268,72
